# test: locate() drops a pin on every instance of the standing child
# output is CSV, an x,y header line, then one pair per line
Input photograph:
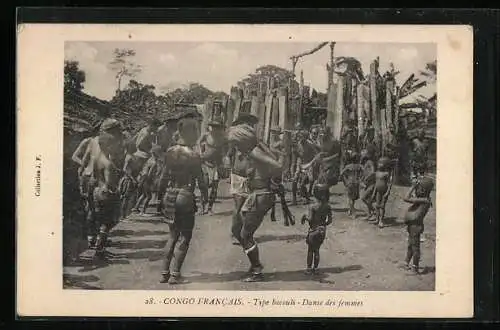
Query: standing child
x,y
383,185
414,219
148,179
351,176
320,216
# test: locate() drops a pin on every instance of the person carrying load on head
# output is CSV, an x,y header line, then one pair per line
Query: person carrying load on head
x,y
179,202
213,145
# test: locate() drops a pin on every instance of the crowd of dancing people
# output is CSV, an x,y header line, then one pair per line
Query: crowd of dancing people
x,y
120,174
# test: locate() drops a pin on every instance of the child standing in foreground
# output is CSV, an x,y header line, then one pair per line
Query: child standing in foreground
x,y
351,176
383,185
320,216
414,219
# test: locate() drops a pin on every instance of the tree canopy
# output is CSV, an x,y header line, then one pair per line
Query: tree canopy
x,y
280,76
123,65
74,78
142,98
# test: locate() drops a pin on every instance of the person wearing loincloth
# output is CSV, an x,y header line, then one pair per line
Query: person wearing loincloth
x,y
240,169
277,148
303,180
419,198
350,176
103,163
327,159
179,202
84,182
128,183
148,179
260,199
212,148
349,140
166,137
419,157
368,181
383,185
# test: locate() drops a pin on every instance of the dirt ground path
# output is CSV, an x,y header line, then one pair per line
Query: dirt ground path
x,y
356,255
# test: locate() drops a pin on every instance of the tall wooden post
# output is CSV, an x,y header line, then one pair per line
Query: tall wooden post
x,y
285,123
275,113
332,91
301,97
231,106
238,100
332,64
339,108
389,101
396,109
207,114
267,117
374,106
360,109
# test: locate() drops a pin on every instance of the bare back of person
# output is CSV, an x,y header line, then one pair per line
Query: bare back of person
x,y
320,212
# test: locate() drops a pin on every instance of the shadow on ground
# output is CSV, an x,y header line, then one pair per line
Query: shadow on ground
x,y
283,276
393,222
150,255
125,233
152,220
139,244
342,209
223,213
287,238
91,262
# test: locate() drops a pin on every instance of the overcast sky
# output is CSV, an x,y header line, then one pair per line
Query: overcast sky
x,y
219,65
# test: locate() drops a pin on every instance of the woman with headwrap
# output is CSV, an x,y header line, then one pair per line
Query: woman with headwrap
x,y
261,197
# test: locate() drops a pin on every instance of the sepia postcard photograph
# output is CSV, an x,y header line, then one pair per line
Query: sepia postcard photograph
x,y
244,171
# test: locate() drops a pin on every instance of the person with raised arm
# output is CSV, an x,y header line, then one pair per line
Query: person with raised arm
x,y
264,170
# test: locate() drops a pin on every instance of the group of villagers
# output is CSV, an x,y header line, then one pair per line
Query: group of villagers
x,y
120,173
